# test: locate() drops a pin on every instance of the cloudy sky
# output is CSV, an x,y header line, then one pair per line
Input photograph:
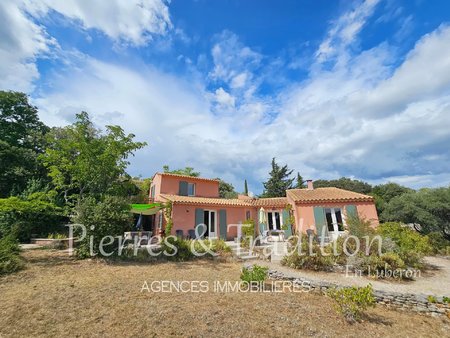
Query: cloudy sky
x,y
332,88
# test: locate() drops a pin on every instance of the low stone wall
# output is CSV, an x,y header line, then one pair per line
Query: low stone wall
x,y
402,301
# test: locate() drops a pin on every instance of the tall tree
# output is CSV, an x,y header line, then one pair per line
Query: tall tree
x,y
226,190
188,171
245,188
278,182
300,182
384,193
84,161
21,140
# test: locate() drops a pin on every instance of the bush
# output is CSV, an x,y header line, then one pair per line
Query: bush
x,y
352,302
406,239
439,244
304,260
10,260
109,217
359,227
176,249
22,218
254,274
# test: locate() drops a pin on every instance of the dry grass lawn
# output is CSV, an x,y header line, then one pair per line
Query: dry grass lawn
x,y
59,296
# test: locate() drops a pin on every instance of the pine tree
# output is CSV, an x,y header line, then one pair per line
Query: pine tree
x,y
300,182
245,188
278,182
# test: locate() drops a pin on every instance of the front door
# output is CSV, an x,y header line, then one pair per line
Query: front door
x,y
274,220
211,223
335,222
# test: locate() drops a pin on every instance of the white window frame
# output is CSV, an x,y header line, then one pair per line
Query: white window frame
x,y
274,219
216,226
193,189
336,232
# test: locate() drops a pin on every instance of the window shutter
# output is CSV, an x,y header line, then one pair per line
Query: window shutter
x,y
351,211
321,223
223,224
183,188
199,219
287,223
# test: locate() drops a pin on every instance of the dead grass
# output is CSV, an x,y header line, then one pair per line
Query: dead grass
x,y
58,296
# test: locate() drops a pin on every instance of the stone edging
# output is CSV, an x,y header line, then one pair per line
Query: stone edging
x,y
403,301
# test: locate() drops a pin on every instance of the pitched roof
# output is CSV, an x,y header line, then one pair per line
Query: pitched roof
x,y
326,195
188,177
207,201
271,202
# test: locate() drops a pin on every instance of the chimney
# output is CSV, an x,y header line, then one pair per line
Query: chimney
x,y
310,184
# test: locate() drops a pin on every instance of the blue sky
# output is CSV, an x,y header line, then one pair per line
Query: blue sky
x,y
332,88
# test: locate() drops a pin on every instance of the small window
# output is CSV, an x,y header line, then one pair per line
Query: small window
x,y
247,214
191,189
152,192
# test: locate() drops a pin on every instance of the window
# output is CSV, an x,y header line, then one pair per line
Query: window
x,y
334,219
247,214
152,192
274,220
191,189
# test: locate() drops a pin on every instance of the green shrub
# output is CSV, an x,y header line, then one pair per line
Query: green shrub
x,y
10,260
353,301
23,218
406,239
176,249
432,299
109,217
304,260
446,299
212,245
255,274
439,244
359,227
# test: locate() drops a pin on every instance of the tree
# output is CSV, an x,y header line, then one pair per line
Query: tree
x,y
226,190
278,182
245,188
21,140
345,183
300,184
384,193
187,171
428,207
84,161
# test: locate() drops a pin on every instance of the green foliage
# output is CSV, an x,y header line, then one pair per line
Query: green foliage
x,y
21,140
359,227
300,182
440,245
214,245
108,217
353,301
384,193
446,299
10,260
255,274
56,236
428,207
168,217
308,256
141,190
432,299
187,171
83,161
226,190
23,218
345,183
405,238
245,188
278,182
176,249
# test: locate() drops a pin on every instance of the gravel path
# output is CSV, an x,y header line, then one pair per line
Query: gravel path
x,y
434,281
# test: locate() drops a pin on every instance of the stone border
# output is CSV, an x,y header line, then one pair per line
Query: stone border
x,y
403,301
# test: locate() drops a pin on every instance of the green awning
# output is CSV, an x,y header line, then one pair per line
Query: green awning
x,y
146,209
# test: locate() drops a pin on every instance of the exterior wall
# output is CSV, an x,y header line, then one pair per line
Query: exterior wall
x,y
304,213
183,217
165,184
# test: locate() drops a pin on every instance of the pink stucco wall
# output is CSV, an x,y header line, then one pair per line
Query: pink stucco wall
x,y
183,217
304,213
165,184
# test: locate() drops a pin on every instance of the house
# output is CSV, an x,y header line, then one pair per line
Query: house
x,y
196,200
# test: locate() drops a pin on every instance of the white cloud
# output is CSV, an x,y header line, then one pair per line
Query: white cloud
x,y
224,98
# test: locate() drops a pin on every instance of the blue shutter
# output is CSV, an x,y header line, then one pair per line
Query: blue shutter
x,y
199,222
287,223
223,224
321,223
351,211
183,188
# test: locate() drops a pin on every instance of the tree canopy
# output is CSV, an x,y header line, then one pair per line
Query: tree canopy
x,y
226,190
345,183
188,171
279,181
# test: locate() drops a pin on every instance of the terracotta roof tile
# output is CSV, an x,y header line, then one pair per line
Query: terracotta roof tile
x,y
326,195
207,200
269,202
